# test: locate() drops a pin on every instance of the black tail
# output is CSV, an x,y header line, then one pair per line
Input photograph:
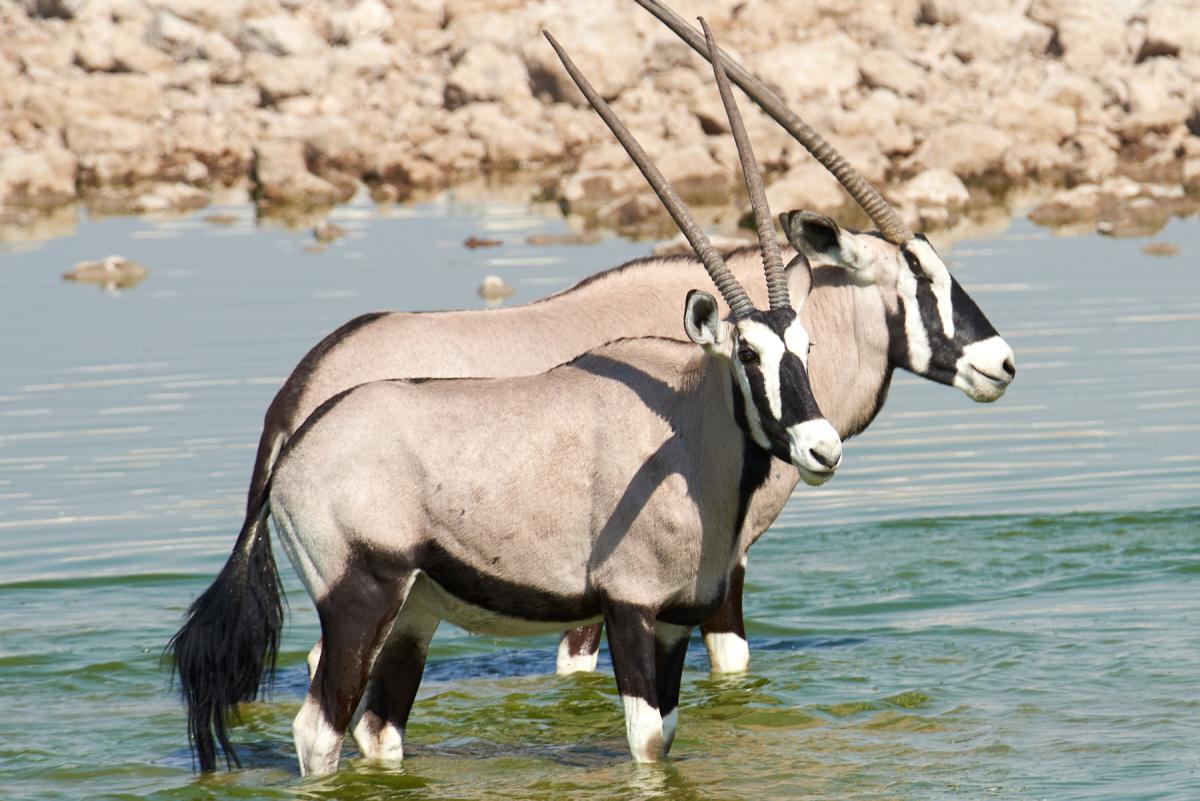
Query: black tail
x,y
229,638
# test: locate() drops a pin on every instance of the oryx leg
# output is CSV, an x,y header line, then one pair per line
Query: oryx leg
x,y
578,650
670,649
631,641
725,632
356,616
313,659
379,733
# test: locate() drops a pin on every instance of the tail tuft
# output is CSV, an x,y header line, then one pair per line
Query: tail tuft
x,y
229,639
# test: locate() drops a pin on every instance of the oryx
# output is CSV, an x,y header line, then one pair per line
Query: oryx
x,y
900,307
616,487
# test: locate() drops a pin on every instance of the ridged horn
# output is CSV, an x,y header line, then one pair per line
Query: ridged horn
x,y
739,302
883,215
777,288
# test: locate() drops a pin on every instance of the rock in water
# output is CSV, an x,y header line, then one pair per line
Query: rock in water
x,y
111,272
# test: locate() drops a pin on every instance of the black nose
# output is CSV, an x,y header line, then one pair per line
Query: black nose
x,y
821,458
1009,369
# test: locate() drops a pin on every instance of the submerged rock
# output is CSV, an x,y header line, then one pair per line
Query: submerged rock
x,y
493,289
326,231
111,272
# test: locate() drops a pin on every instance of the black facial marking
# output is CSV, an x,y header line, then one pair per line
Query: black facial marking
x,y
797,401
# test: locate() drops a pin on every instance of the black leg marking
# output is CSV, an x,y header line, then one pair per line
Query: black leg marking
x,y
632,643
671,644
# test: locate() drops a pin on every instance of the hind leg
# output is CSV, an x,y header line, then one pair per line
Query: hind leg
x,y
578,650
356,615
379,733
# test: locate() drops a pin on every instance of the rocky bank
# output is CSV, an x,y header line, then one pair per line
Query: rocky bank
x,y
152,105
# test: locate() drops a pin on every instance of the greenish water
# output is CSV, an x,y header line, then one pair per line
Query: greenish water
x,y
996,601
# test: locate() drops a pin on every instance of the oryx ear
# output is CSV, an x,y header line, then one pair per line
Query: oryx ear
x,y
702,321
825,243
799,279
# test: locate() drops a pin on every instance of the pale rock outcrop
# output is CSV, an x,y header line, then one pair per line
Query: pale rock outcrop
x,y
933,199
1090,34
281,177
602,44
486,73
366,19
824,66
42,179
282,77
970,150
508,141
1170,28
999,36
887,69
807,186
279,35
113,48
1027,117
1161,95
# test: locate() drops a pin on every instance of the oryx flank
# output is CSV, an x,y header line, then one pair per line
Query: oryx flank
x,y
614,487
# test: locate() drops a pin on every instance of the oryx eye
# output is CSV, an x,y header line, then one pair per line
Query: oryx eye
x,y
747,356
913,264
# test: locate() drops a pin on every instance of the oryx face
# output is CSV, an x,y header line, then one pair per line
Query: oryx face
x,y
767,352
935,329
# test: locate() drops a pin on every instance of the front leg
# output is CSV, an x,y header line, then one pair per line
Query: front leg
x,y
631,641
725,632
670,644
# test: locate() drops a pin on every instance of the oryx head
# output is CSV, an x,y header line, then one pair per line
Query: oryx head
x,y
941,334
935,328
765,350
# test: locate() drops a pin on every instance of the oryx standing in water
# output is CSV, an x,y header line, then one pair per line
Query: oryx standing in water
x,y
614,487
900,307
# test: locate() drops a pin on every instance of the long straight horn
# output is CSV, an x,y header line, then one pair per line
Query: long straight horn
x,y
777,289
883,215
739,302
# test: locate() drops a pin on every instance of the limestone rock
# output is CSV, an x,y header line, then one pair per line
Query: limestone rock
x,y
1090,34
587,190
281,77
969,150
170,197
279,35
509,142
281,177
111,272
807,186
826,65
112,48
1161,96
42,179
1172,28
1029,117
366,19
999,36
485,73
889,70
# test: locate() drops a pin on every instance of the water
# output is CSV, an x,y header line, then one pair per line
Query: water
x,y
991,601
